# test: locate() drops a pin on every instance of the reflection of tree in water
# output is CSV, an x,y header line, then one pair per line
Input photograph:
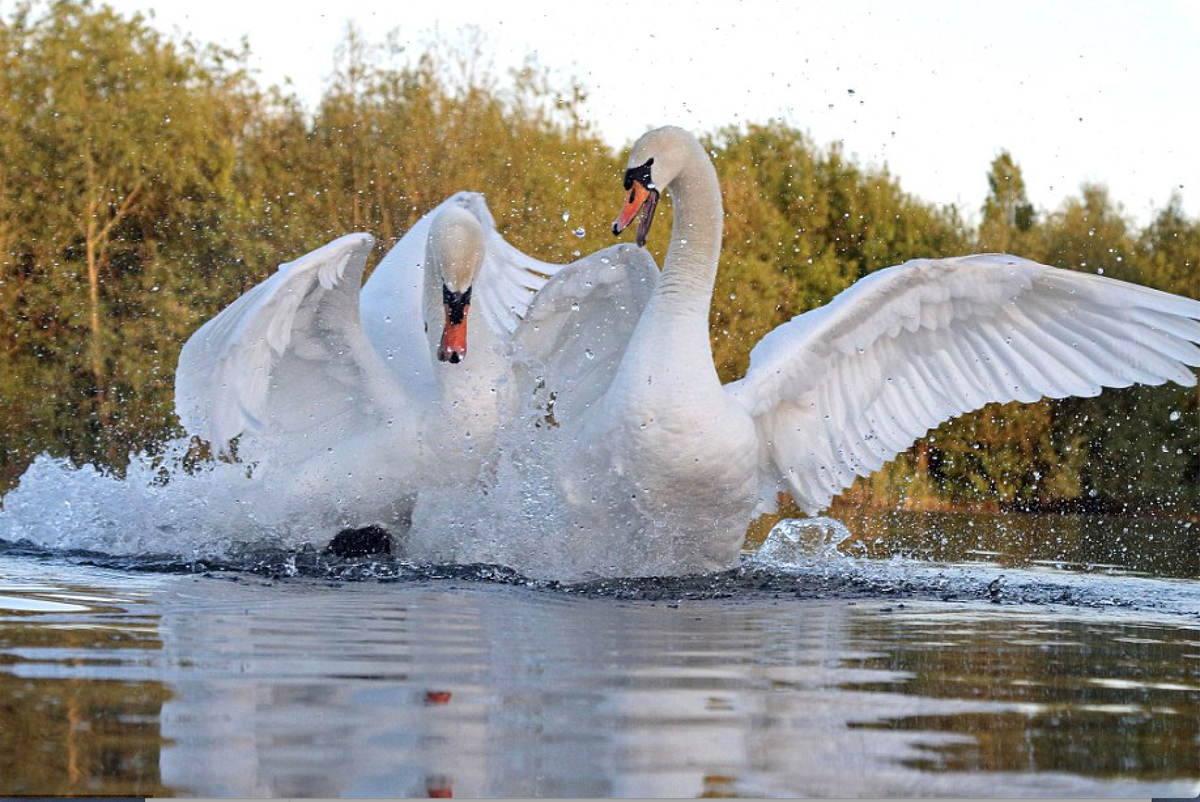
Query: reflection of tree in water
x,y
67,732
1103,700
1152,545
310,687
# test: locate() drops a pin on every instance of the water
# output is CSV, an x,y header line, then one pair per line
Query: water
x,y
161,638
841,677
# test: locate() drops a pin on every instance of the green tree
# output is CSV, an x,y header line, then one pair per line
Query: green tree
x,y
1090,234
1141,443
1168,251
145,183
116,152
1007,212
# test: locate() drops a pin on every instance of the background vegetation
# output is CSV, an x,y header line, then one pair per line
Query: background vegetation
x,y
145,182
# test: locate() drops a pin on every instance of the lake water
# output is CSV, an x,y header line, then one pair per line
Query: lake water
x,y
930,655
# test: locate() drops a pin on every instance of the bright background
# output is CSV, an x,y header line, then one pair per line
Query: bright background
x,y
1097,91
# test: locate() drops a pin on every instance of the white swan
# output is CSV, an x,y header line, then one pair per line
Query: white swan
x,y
348,403
664,470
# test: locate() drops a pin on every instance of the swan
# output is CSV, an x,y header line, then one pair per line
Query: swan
x,y
664,469
348,399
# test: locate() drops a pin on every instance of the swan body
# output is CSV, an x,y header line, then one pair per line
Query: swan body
x,y
349,399
666,468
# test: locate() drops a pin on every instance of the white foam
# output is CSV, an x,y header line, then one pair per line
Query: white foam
x,y
159,507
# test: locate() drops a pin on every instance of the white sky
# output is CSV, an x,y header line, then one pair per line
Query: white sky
x,y
1086,90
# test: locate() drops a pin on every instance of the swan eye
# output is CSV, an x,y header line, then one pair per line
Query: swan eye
x,y
641,175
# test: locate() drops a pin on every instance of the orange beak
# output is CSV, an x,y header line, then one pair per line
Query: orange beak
x,y
453,348
642,200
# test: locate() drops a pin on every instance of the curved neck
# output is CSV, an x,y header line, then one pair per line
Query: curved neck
x,y
695,250
684,294
669,358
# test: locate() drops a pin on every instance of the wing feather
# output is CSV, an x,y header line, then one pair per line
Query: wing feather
x,y
229,374
838,391
572,340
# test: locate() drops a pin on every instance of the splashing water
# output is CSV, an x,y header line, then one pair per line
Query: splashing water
x,y
514,530
161,507
221,511
793,543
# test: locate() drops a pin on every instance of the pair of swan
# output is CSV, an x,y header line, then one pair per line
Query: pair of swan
x,y
653,466
348,399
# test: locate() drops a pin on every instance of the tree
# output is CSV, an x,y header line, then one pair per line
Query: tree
x,y
146,183
1142,444
1168,251
118,151
1007,212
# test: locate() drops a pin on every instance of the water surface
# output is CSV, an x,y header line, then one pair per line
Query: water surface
x,y
842,677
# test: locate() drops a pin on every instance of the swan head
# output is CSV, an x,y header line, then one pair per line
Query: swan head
x,y
656,160
455,253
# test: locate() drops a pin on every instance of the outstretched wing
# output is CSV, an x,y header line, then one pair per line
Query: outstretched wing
x,y
577,328
290,351
838,391
392,300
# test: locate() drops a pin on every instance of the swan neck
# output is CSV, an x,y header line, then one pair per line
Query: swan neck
x,y
695,249
672,338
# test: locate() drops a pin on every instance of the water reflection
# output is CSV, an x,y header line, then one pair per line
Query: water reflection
x,y
1166,547
1101,698
80,713
219,686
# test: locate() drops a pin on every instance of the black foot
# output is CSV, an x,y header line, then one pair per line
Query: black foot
x,y
360,542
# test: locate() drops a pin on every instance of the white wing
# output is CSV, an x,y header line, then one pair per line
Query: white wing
x,y
577,328
392,300
291,350
840,390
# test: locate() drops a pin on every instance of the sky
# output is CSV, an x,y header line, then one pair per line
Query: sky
x,y
1096,91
